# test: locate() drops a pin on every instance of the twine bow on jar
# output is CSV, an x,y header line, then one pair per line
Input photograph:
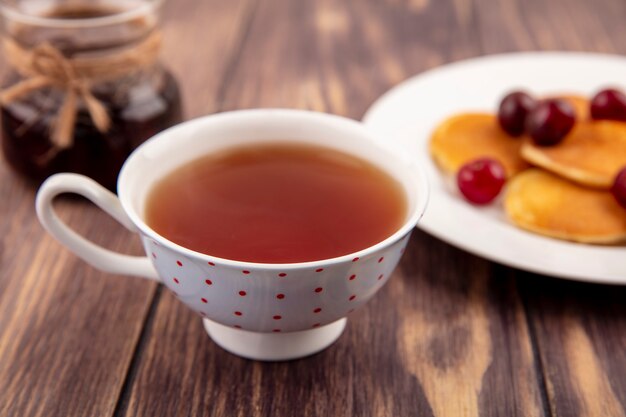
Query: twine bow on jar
x,y
46,66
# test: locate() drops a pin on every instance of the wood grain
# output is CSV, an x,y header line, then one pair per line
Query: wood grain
x,y
450,335
68,333
439,340
582,353
202,43
578,329
463,349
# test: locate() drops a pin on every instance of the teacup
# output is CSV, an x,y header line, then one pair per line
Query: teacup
x,y
258,311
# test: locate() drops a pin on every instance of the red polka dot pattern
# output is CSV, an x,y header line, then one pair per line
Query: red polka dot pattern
x,y
255,300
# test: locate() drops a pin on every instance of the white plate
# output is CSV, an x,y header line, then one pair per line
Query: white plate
x,y
407,114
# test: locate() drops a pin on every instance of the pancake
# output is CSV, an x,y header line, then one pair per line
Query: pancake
x,y
544,203
468,136
591,154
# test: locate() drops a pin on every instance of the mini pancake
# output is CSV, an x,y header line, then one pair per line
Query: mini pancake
x,y
544,203
468,136
591,154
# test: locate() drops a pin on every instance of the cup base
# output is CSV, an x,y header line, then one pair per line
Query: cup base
x,y
274,346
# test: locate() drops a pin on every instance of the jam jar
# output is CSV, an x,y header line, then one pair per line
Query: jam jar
x,y
85,86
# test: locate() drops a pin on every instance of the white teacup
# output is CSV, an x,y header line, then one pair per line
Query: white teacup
x,y
258,311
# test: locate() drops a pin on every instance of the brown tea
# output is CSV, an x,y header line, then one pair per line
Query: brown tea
x,y
277,203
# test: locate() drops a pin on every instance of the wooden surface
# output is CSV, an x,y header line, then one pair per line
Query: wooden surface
x,y
450,335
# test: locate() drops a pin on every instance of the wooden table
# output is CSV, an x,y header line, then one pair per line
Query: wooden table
x,y
450,335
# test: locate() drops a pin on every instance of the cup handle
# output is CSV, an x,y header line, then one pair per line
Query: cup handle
x,y
97,256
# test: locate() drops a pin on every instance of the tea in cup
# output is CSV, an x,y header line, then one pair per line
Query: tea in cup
x,y
272,224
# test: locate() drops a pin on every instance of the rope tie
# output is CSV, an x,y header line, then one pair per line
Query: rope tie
x,y
46,66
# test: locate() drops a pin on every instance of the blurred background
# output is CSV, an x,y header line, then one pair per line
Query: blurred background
x,y
451,334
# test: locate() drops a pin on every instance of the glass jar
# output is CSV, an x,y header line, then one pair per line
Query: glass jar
x,y
85,86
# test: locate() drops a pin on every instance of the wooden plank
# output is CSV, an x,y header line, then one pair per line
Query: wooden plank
x,y
201,42
581,334
443,338
68,333
514,25
463,334
579,328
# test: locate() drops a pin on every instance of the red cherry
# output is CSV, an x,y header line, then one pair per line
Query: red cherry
x,y
618,189
481,180
609,104
513,111
550,121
